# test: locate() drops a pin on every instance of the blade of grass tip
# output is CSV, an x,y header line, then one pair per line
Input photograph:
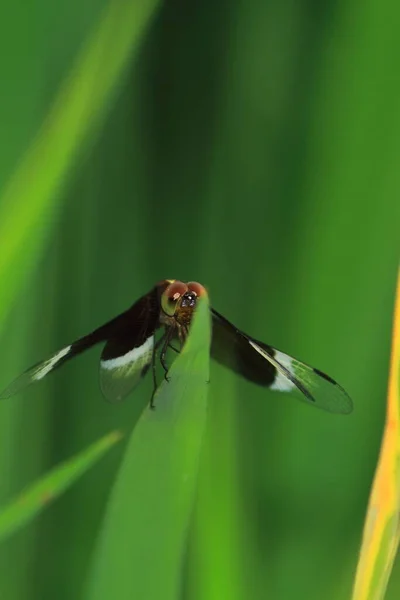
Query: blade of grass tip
x,y
381,529
141,547
28,201
34,499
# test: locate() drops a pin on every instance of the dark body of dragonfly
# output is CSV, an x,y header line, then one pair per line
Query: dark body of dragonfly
x,y
131,349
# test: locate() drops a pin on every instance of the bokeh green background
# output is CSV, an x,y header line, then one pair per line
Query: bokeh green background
x,y
253,146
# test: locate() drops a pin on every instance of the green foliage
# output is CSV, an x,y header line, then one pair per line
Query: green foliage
x,y
30,197
151,505
252,147
34,499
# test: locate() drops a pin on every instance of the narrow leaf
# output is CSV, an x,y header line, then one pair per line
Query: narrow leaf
x,y
31,502
142,544
381,530
28,201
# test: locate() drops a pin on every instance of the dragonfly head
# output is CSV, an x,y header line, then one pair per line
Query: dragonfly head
x,y
179,300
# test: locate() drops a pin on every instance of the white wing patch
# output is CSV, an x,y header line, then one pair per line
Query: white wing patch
x,y
130,357
48,365
36,373
119,375
281,383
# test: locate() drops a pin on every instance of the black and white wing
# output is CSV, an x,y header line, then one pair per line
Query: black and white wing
x,y
126,356
40,370
43,368
269,367
128,353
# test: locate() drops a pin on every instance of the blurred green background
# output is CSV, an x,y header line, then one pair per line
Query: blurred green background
x,y
253,146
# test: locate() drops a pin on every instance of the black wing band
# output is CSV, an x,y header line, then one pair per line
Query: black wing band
x,y
272,368
122,333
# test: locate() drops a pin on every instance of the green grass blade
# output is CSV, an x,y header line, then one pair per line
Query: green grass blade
x,y
382,525
140,551
31,502
28,202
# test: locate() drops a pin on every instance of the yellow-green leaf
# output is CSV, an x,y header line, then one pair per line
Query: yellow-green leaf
x,y
381,530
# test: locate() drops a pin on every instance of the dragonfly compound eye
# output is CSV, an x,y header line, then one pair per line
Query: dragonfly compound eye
x,y
171,297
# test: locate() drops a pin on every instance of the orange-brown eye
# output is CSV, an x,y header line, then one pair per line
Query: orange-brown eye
x,y
171,297
197,288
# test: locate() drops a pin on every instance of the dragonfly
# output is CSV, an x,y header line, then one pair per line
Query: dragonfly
x,y
132,347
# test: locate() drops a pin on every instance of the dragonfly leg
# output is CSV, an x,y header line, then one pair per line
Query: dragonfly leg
x,y
174,349
153,366
168,337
